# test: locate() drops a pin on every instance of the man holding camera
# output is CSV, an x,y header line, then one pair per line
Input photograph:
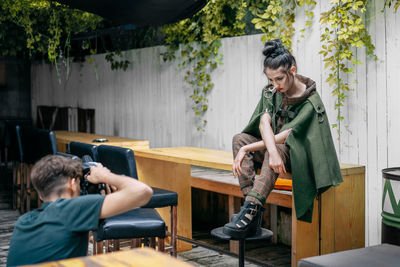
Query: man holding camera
x,y
59,228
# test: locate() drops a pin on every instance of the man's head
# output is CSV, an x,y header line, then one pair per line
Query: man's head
x,y
54,176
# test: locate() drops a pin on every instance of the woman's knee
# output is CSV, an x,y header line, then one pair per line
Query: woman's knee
x,y
242,139
236,138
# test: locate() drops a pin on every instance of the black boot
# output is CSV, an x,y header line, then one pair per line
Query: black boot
x,y
246,223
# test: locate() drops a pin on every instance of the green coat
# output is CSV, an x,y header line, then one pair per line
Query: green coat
x,y
313,158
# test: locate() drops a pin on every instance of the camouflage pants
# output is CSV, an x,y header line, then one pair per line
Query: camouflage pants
x,y
256,189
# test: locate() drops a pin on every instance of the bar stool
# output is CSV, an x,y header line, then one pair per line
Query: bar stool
x,y
12,153
122,161
34,144
135,224
262,234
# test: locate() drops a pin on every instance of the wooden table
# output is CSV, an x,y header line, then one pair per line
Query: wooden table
x,y
65,137
338,218
141,257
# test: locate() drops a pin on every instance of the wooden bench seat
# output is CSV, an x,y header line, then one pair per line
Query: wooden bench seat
x,y
223,182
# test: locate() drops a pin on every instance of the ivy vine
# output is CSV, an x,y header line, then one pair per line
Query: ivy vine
x,y
343,31
45,27
389,3
199,38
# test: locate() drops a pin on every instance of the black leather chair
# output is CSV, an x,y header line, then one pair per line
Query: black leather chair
x,y
34,144
11,153
137,224
82,149
122,161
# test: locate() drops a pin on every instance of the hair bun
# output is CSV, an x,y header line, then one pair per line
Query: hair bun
x,y
273,48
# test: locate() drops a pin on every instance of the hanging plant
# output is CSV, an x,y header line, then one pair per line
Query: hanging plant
x,y
343,30
309,14
45,27
389,3
199,39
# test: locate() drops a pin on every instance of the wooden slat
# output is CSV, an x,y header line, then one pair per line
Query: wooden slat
x,y
277,197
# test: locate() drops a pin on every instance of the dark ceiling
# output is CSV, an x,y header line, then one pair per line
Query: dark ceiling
x,y
139,13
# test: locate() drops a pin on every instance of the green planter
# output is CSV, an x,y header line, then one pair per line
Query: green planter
x,y
391,206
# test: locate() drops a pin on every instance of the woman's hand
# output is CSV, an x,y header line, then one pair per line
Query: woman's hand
x,y
276,163
236,166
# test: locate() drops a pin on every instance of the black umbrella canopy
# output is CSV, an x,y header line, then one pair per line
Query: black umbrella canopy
x,y
139,12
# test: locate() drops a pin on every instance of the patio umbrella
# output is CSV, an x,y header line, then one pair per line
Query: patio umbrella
x,y
139,12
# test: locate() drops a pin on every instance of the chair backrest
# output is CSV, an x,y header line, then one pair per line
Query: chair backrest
x,y
35,143
19,143
118,160
10,137
82,149
47,142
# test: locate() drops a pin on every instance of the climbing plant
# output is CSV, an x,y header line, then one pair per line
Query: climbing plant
x,y
198,39
389,3
44,26
343,30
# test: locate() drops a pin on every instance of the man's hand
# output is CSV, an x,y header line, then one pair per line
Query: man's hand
x,y
98,174
276,163
236,166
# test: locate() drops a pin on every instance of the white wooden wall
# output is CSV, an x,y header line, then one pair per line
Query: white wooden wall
x,y
150,100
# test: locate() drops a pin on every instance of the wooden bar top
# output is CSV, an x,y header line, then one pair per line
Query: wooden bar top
x,y
65,137
141,257
212,158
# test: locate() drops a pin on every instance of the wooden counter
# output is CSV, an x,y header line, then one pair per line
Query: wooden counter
x,y
65,137
140,257
338,218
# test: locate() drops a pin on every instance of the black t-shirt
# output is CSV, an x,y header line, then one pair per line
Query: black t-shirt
x,y
58,230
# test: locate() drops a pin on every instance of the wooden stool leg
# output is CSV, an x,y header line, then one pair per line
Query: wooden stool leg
x,y
99,247
233,244
16,172
116,245
22,185
135,243
161,245
28,190
18,190
152,242
174,230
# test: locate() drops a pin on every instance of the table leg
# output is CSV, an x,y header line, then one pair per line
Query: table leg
x,y
175,177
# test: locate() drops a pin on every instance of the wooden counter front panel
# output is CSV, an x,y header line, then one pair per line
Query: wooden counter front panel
x,y
342,215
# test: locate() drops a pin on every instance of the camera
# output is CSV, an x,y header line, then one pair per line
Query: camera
x,y
86,186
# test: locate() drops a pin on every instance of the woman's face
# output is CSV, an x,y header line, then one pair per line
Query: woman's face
x,y
280,79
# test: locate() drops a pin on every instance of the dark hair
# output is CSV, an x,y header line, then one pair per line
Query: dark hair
x,y
52,173
276,55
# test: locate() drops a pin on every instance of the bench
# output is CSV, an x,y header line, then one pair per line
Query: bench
x,y
339,213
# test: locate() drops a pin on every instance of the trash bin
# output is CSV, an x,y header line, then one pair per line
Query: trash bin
x,y
391,206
